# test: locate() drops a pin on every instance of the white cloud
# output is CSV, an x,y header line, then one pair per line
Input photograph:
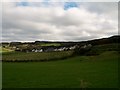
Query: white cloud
x,y
30,23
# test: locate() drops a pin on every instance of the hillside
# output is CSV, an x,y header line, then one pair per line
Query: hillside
x,y
96,68
112,39
77,72
49,56
47,51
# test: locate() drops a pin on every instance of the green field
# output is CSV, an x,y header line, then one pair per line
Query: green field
x,y
100,70
105,47
50,44
4,50
77,72
44,56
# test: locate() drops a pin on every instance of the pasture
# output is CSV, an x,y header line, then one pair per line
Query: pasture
x,y
35,56
99,71
50,44
4,50
9,55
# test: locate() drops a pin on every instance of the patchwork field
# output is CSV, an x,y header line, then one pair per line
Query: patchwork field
x,y
77,72
50,44
32,56
9,55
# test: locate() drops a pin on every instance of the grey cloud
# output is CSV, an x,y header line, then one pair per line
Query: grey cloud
x,y
55,23
110,8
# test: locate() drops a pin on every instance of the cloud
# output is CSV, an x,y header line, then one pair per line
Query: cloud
x,y
50,21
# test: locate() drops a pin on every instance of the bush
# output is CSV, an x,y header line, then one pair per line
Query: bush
x,y
81,51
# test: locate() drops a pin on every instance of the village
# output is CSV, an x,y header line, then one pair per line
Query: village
x,y
47,46
33,47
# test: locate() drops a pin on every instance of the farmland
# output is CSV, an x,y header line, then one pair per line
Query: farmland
x,y
46,56
3,50
50,44
77,72
91,71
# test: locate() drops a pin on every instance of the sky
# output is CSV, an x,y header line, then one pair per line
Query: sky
x,y
58,21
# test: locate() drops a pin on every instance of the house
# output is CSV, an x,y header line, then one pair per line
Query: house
x,y
86,47
37,50
49,49
72,47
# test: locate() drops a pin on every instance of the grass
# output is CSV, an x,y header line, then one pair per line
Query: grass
x,y
22,56
4,50
98,49
77,72
50,44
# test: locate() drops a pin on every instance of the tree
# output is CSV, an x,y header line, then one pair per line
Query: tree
x,y
82,50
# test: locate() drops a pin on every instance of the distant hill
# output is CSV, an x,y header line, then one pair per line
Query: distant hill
x,y
109,40
112,39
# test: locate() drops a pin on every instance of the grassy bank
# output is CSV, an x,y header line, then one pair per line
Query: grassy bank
x,y
4,50
50,44
98,49
32,56
78,72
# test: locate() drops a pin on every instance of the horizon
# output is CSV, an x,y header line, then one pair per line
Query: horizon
x,y
58,41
